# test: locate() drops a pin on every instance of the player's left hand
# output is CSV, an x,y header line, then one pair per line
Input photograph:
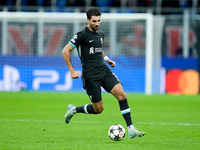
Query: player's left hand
x,y
112,63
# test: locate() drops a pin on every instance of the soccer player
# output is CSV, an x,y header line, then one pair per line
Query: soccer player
x,y
95,74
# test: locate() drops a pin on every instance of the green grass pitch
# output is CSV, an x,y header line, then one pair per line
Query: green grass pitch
x,y
35,121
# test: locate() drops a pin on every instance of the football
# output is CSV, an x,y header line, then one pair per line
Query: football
x,y
116,132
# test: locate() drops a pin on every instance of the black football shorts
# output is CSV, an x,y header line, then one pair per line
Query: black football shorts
x,y
93,86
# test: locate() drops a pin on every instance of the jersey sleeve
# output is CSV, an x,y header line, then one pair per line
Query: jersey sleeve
x,y
76,40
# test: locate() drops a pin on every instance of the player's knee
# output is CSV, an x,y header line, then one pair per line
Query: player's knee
x,y
124,95
118,92
121,95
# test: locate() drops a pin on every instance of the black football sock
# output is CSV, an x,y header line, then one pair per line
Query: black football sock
x,y
125,111
87,109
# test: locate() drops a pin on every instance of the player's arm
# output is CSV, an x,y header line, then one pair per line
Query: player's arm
x,y
66,54
112,63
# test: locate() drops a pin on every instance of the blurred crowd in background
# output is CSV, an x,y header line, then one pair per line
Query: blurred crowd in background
x,y
124,5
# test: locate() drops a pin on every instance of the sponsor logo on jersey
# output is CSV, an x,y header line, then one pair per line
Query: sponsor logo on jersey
x,y
74,38
98,50
95,50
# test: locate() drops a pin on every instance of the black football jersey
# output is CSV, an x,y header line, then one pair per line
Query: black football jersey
x,y
89,47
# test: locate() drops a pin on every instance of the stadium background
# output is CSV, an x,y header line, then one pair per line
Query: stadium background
x,y
22,67
33,117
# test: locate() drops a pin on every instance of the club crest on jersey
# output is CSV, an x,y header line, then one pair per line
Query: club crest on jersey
x,y
91,50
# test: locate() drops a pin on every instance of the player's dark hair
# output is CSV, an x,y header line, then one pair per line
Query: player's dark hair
x,y
93,11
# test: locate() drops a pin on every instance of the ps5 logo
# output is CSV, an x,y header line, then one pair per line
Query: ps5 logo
x,y
34,79
51,77
11,79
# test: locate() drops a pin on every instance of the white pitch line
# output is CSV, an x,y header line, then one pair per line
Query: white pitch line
x,y
165,123
27,120
81,121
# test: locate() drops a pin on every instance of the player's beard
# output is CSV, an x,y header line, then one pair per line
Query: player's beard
x,y
94,28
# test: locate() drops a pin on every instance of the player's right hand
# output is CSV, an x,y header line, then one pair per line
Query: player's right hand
x,y
74,74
